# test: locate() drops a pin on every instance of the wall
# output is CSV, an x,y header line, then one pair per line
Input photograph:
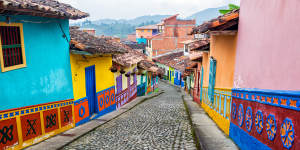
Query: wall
x,y
205,64
47,77
143,33
223,49
141,40
131,37
129,92
124,78
104,77
105,87
265,119
268,55
40,94
175,32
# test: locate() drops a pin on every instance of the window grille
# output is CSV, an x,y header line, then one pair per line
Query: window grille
x,y
12,51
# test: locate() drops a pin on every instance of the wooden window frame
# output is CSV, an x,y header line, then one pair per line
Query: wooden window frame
x,y
5,69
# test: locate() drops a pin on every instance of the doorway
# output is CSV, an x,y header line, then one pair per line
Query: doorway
x,y
90,84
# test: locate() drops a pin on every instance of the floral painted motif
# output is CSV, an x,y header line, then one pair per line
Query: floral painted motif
x,y
259,122
271,127
287,133
248,119
241,115
233,110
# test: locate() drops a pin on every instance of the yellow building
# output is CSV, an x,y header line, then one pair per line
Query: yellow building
x,y
218,67
93,80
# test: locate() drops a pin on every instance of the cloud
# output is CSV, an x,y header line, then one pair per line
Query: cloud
x,y
126,9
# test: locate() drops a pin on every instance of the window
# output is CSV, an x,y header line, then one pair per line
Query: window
x,y
12,52
119,84
186,48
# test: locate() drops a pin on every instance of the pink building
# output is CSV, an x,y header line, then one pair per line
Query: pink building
x,y
266,95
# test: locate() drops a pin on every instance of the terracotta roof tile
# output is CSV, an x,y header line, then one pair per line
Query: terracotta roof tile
x,y
129,58
230,18
83,41
44,8
199,45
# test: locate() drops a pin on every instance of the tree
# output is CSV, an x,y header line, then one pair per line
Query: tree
x,y
230,8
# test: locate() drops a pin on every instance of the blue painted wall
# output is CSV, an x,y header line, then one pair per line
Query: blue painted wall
x,y
141,40
47,77
244,140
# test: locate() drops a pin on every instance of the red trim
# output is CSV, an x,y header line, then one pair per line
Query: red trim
x,y
1,111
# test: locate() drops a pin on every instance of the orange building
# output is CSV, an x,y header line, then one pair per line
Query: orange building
x,y
172,32
145,32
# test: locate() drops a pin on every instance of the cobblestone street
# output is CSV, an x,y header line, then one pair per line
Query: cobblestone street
x,y
158,123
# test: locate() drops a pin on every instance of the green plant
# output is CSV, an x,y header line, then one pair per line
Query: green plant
x,y
230,8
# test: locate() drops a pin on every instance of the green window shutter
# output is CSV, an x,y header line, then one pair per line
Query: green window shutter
x,y
212,78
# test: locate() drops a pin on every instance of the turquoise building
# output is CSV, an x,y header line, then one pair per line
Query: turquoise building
x,y
35,76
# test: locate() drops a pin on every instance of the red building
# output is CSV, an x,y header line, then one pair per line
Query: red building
x,y
172,32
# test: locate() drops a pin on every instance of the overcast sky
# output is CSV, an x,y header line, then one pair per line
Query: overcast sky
x,y
128,9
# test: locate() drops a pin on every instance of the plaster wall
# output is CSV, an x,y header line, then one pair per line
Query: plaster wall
x,y
223,48
104,77
268,55
47,77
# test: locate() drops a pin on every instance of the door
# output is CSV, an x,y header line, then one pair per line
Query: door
x,y
91,89
201,84
198,83
212,78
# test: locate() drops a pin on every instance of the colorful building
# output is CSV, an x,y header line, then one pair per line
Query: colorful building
x,y
36,82
125,74
93,81
266,91
217,68
172,33
243,90
150,72
131,37
144,32
176,64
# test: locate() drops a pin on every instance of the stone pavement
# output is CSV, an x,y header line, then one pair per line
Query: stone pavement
x,y
61,140
158,123
209,136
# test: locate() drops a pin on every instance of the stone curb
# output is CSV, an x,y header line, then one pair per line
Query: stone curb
x,y
209,136
63,139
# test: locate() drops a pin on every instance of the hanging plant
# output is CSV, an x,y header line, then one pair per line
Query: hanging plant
x,y
113,69
122,71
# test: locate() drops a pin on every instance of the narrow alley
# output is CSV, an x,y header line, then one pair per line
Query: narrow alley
x,y
158,123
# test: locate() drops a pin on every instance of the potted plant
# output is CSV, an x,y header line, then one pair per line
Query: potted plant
x,y
113,69
122,71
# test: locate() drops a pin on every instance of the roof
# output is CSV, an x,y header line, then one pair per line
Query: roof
x,y
150,66
167,58
129,58
136,45
174,60
151,27
203,44
174,16
82,41
188,41
43,8
223,22
194,55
